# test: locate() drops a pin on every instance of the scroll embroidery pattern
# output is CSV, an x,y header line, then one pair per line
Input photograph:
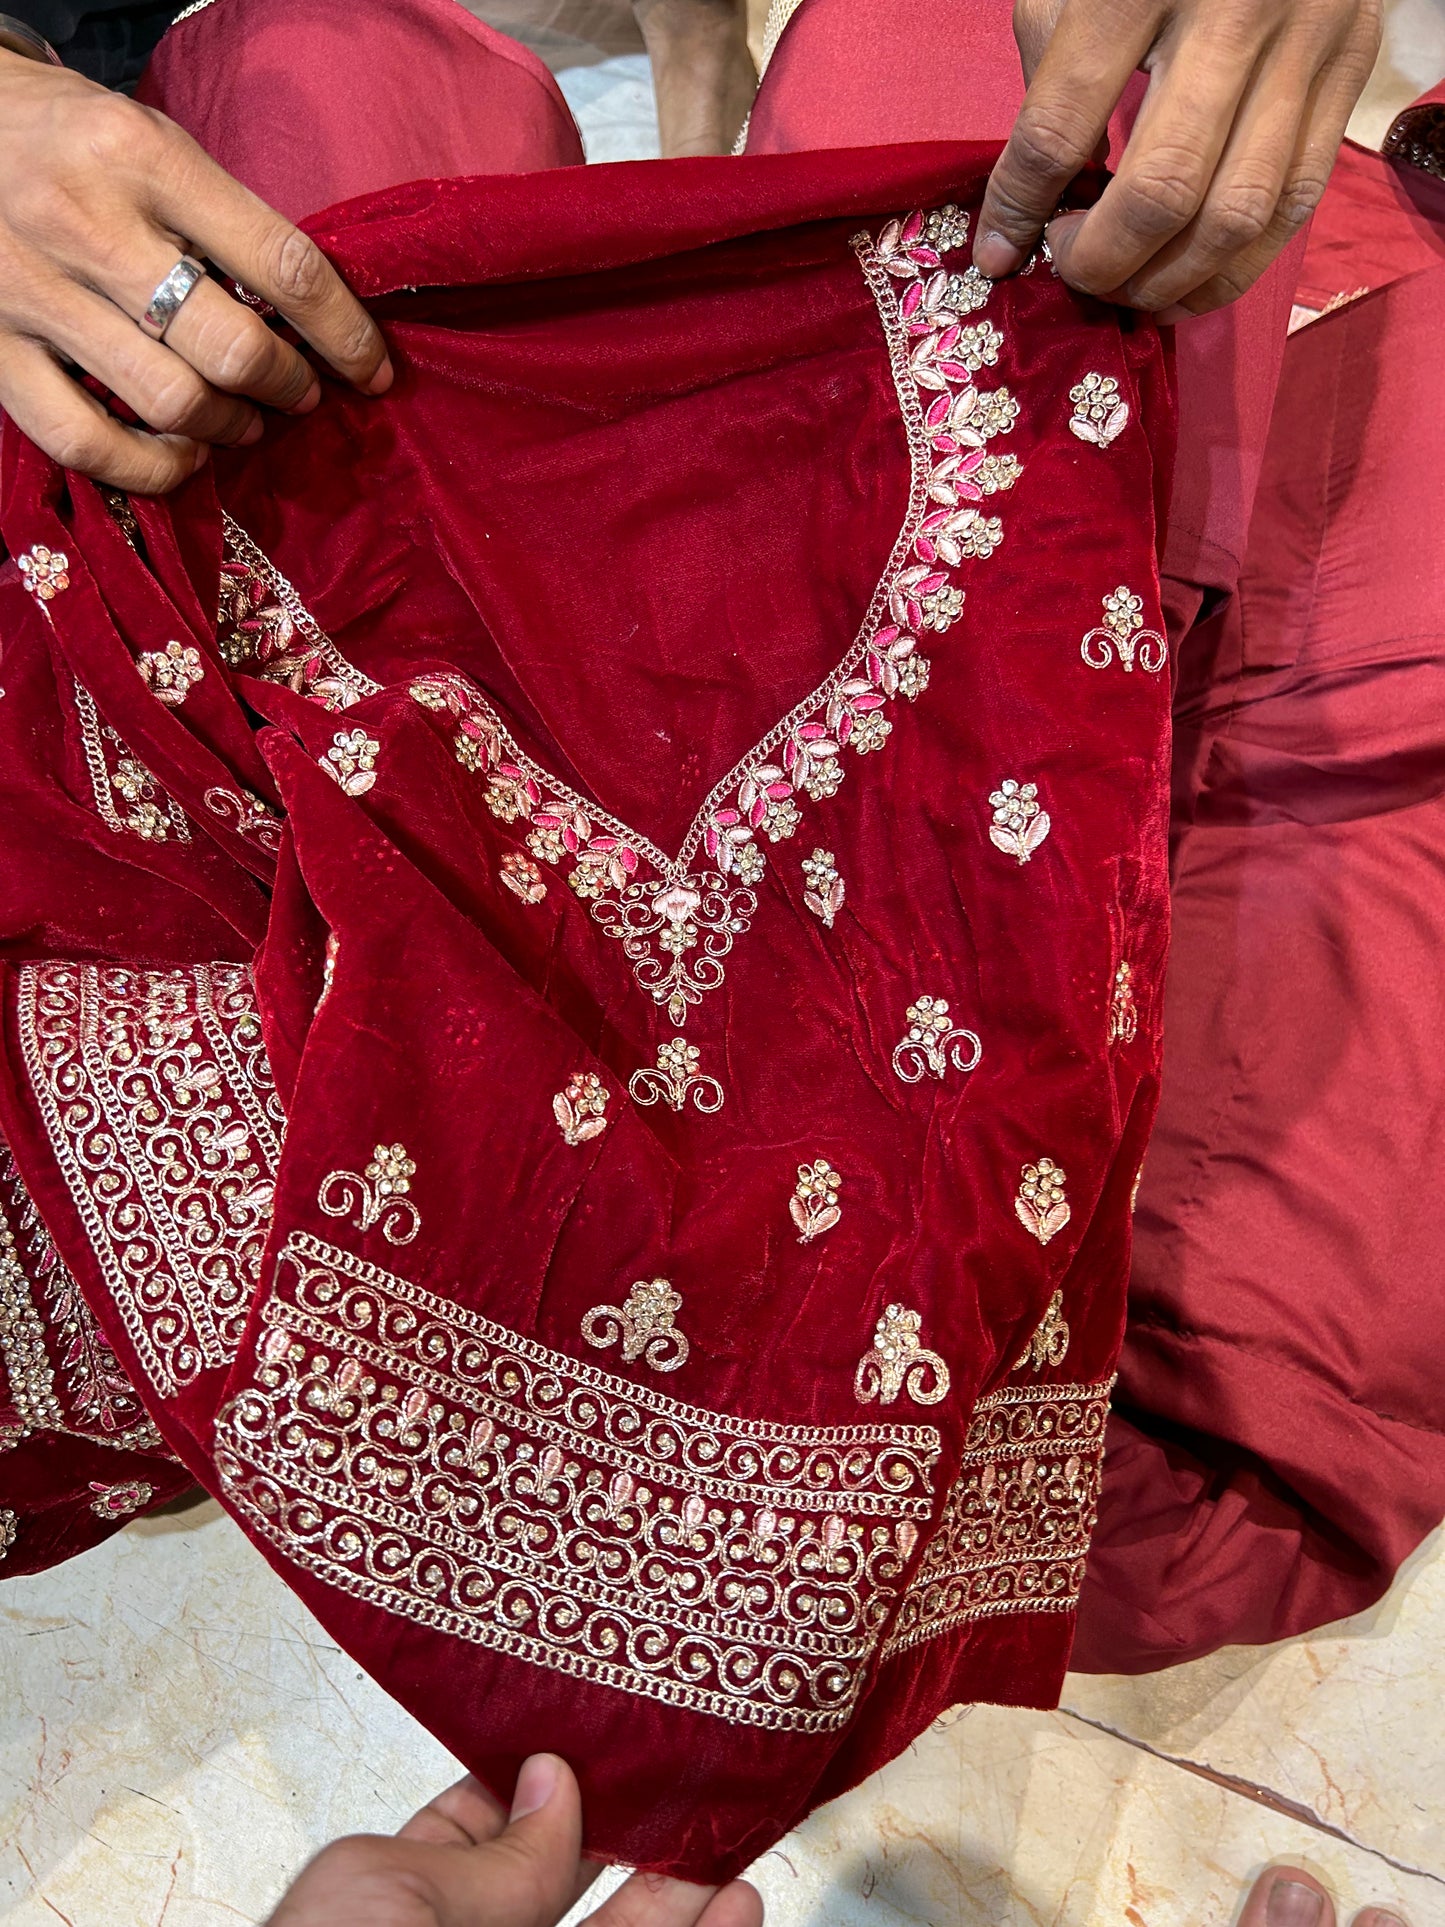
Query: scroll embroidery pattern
x,y
160,1109
378,1196
1122,633
1016,1525
580,1109
247,815
677,918
646,1324
115,773
415,1455
1050,1343
898,1362
933,1042
676,1080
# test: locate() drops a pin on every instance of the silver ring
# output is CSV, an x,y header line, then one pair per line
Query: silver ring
x,y
165,304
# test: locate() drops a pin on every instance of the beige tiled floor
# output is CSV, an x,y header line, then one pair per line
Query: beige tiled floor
x,y
177,1734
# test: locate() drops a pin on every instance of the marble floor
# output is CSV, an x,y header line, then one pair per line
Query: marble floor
x,y
177,1735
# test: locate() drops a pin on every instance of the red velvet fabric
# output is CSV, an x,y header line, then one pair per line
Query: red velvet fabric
x,y
643,474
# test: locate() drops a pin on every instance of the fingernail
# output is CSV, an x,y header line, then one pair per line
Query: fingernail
x,y
255,429
203,455
536,1783
995,255
1168,317
1292,1904
1376,1919
308,401
382,379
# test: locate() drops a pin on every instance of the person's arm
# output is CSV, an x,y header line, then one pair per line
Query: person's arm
x,y
1246,106
462,1861
99,199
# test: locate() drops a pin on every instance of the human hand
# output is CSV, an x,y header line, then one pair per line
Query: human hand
x,y
98,199
463,1862
1289,1897
1245,109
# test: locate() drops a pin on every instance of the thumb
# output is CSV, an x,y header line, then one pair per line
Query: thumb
x,y
530,1874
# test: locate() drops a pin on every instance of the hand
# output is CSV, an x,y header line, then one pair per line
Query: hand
x,y
98,199
1245,109
463,1862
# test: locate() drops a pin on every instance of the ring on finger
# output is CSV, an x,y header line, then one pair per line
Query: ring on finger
x,y
170,295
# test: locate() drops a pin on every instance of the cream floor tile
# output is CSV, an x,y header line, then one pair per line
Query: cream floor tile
x,y
177,1734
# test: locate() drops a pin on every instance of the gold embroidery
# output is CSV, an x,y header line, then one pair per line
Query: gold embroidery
x,y
9,1524
676,1078
579,1110
1134,1192
1122,631
119,1501
825,888
247,815
170,673
158,1103
351,761
1123,1013
522,877
379,1197
1020,823
931,1043
22,1345
814,1204
1041,1205
417,1456
644,1324
266,630
1050,1343
899,1362
1099,416
1015,1528
153,815
44,572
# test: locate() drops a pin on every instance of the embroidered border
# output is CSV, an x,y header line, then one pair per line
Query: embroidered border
x,y
158,1102
1015,1529
424,1459
154,816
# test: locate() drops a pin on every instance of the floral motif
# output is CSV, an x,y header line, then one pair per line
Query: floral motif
x,y
898,1362
1050,1343
675,1079
825,889
171,673
115,771
351,761
814,1204
1020,823
645,1324
119,1501
379,1197
1122,630
946,228
1041,1205
579,1109
1099,416
1123,1012
264,629
522,877
932,1042
45,572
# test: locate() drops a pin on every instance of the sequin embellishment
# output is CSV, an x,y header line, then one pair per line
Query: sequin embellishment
x,y
676,1079
579,1110
645,1324
898,1362
44,572
1099,416
825,889
1041,1205
1050,1343
932,1042
351,761
171,673
1122,632
1020,822
522,877
379,1197
119,1501
814,1205
1123,1011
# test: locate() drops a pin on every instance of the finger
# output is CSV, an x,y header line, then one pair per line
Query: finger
x,y
738,1905
1380,1917
266,254
531,1871
1034,23
465,1815
1174,149
161,387
1287,1897
656,1900
1304,185
1065,113
76,431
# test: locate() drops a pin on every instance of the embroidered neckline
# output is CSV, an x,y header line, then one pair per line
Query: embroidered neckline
x,y
679,923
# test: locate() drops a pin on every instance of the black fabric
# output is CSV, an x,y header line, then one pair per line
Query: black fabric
x,y
106,40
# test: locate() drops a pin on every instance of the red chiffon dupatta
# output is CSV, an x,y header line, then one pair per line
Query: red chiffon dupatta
x,y
588,1044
